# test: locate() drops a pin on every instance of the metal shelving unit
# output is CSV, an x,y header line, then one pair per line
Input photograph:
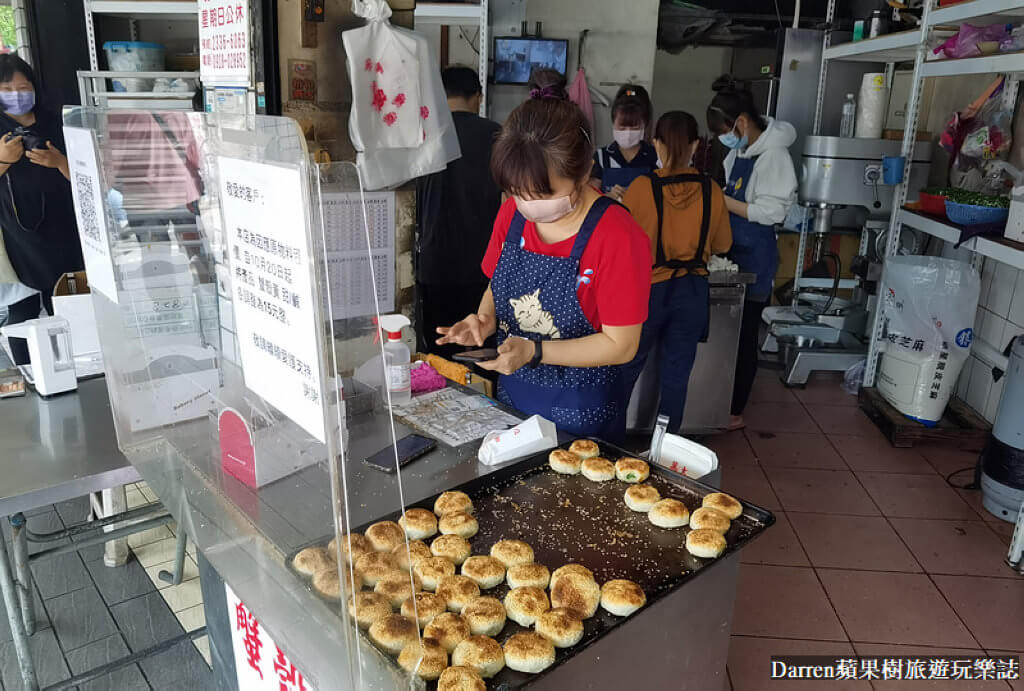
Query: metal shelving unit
x,y
461,14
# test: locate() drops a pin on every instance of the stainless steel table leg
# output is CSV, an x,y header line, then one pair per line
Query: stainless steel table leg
x,y
7,585
23,575
115,501
179,560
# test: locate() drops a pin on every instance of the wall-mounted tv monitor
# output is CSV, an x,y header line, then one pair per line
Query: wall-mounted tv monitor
x,y
515,58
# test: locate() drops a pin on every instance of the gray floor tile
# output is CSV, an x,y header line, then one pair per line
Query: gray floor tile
x,y
80,618
49,663
42,621
61,574
73,511
181,668
100,653
146,621
119,583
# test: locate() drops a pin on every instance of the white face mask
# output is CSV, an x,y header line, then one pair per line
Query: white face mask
x,y
627,139
545,210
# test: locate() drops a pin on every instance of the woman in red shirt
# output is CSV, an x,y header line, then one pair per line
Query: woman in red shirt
x,y
570,276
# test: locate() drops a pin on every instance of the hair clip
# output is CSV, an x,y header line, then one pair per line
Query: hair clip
x,y
546,92
586,135
630,92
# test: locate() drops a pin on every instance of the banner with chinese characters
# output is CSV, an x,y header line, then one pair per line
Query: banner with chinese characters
x,y
224,55
271,286
259,663
89,210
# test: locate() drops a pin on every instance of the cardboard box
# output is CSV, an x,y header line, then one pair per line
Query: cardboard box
x,y
1015,223
72,300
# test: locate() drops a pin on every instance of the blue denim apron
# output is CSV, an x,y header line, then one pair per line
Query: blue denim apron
x,y
535,298
753,244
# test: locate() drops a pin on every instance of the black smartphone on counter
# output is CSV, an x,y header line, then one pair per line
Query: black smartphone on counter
x,y
410,447
478,355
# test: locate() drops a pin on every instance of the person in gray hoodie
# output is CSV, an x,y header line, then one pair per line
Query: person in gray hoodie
x,y
760,190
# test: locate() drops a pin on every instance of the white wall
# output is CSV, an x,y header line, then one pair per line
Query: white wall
x,y
683,81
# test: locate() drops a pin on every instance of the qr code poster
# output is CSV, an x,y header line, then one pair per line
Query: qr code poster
x,y
89,210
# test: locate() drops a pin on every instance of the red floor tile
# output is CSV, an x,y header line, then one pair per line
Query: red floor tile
x,y
1003,530
732,448
749,483
820,491
777,545
946,460
916,496
993,608
790,450
771,416
878,607
852,542
939,685
750,663
825,388
875,453
769,387
1017,684
966,548
974,498
783,601
842,419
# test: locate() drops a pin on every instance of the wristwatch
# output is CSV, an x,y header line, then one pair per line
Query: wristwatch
x,y
538,353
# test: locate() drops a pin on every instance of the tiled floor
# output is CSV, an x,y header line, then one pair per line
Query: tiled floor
x,y
89,614
873,552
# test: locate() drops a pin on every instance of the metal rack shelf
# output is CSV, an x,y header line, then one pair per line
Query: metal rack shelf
x,y
997,248
976,9
1006,63
898,47
461,14
149,9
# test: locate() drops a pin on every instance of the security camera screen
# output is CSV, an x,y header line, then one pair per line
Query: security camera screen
x,y
515,58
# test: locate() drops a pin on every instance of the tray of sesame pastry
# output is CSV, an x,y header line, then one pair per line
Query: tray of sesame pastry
x,y
521,569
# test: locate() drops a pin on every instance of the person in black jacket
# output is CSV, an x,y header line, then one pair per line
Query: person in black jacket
x,y
37,213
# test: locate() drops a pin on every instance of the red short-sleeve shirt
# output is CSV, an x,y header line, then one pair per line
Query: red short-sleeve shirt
x,y
618,255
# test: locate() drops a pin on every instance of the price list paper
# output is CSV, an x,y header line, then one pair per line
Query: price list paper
x,y
348,261
271,288
89,210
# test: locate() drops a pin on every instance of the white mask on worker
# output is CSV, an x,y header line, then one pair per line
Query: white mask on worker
x,y
627,139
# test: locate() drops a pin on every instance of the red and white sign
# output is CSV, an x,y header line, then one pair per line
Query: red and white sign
x,y
224,57
259,663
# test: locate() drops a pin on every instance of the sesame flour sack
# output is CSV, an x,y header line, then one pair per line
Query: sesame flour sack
x,y
929,305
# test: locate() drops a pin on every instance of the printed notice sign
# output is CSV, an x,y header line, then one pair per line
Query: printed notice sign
x,y
271,288
89,210
224,58
259,663
351,276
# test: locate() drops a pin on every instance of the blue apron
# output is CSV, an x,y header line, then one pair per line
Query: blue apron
x,y
535,298
753,244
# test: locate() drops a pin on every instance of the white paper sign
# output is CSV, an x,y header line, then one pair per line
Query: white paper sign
x,y
89,210
271,287
348,261
224,42
259,663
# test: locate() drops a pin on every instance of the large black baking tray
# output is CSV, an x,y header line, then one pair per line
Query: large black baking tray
x,y
569,519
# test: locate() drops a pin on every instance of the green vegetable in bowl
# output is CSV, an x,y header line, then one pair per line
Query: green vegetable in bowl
x,y
977,199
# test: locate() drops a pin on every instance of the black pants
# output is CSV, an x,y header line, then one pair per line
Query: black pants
x,y
22,311
746,355
443,305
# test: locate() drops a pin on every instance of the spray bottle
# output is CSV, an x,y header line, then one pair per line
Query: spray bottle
x,y
396,358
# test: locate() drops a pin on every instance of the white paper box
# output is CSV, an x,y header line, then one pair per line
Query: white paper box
x,y
530,436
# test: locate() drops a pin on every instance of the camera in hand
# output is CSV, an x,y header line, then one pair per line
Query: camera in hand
x,y
29,139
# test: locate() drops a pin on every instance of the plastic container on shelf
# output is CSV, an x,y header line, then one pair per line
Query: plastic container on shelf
x,y
974,215
932,204
134,56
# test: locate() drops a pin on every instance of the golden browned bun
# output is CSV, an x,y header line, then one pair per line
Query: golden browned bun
x,y
622,597
353,546
397,586
431,570
564,462
571,568
669,513
486,572
393,632
485,616
453,502
460,679
524,605
712,519
459,523
481,654
367,607
724,503
560,626
448,629
374,565
427,607
385,536
454,548
457,591
311,560
704,543
512,552
328,583
584,448
632,470
576,592
529,652
418,523
408,558
524,575
597,469
434,658
642,497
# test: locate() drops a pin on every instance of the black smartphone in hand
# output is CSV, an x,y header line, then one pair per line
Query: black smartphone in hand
x,y
478,355
410,448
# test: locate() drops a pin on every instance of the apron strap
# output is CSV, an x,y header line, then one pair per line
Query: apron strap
x,y
657,185
593,217
515,229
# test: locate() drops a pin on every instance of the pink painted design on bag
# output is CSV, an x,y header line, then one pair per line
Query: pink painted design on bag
x,y
368,65
390,119
399,100
380,99
380,68
424,112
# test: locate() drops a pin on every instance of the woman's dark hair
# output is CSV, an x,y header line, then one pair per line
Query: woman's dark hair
x,y
676,131
633,105
541,135
460,82
731,101
11,64
547,83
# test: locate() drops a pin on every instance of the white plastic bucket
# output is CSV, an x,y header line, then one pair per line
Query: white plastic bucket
x,y
687,457
134,56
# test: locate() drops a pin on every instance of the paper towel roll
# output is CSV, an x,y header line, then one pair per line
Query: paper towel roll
x,y
872,103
